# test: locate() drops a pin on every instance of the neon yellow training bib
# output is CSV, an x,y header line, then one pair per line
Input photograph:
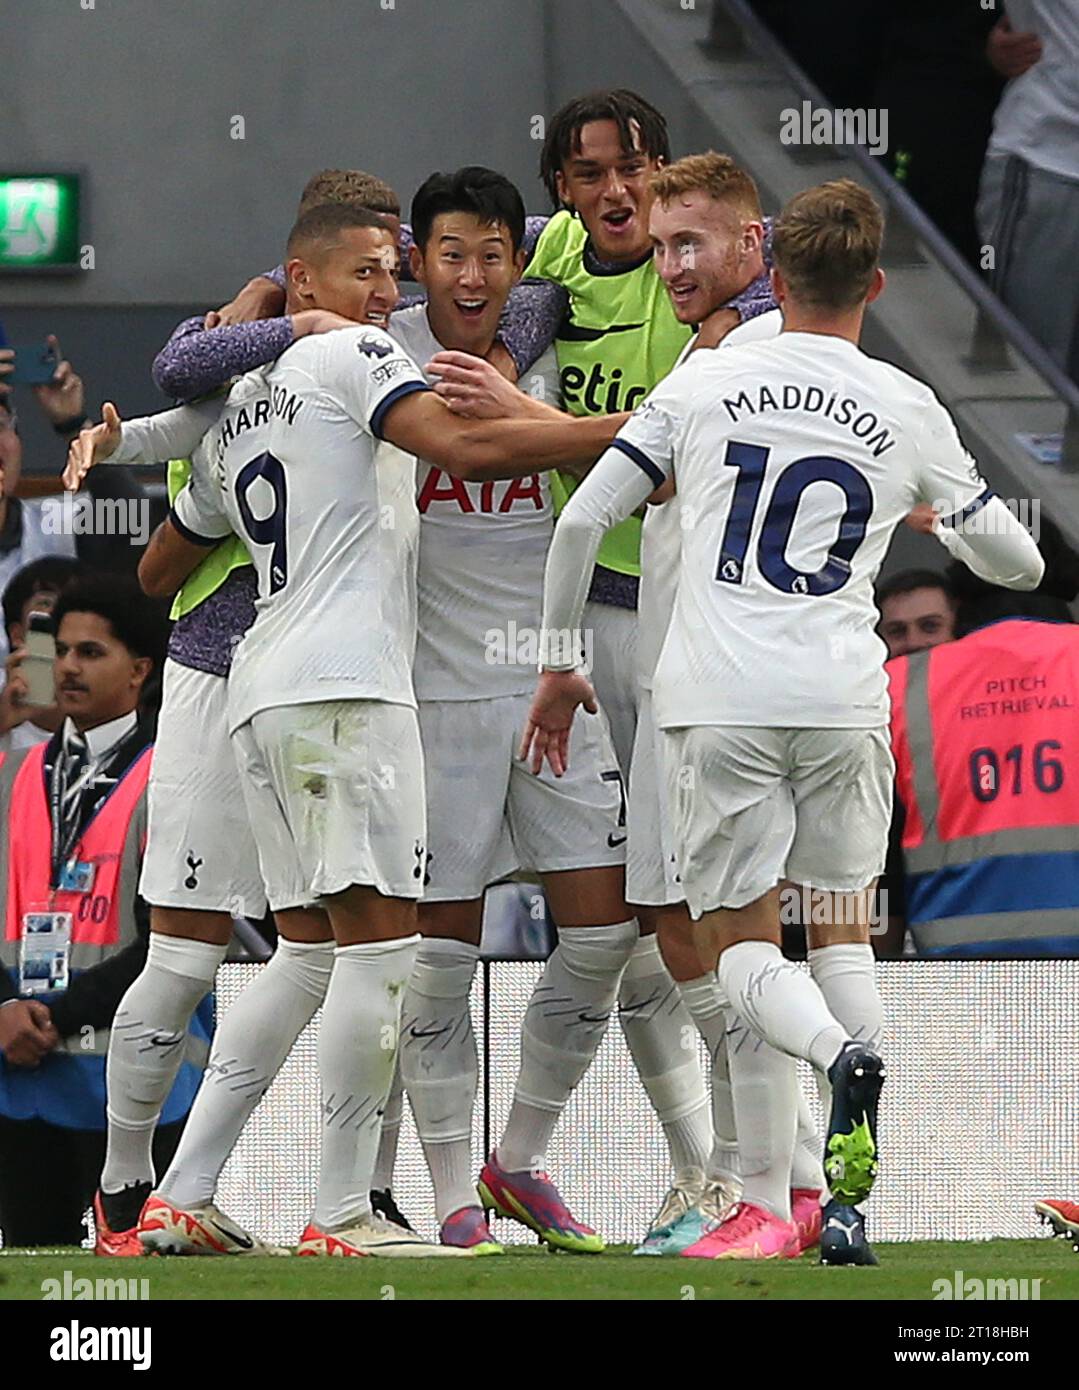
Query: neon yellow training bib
x,y
212,572
619,340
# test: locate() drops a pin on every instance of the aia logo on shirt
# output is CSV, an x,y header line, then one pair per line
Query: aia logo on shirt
x,y
488,497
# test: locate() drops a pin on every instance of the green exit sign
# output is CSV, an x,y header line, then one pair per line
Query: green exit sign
x,y
39,222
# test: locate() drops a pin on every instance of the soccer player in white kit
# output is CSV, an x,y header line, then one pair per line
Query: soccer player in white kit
x,y
482,549
795,460
321,706
200,865
706,225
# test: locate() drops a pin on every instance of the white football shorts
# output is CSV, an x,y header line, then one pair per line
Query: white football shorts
x,y
487,815
611,644
752,806
335,793
199,849
651,867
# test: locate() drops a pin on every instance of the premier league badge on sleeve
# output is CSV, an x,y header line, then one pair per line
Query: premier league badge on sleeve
x,y
371,346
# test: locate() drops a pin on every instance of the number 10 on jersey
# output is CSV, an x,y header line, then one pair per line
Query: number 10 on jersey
x,y
750,460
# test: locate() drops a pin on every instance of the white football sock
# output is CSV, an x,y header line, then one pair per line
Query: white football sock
x,y
781,1002
806,1169
440,1066
661,1039
393,1112
764,1083
357,1050
564,1025
847,978
251,1044
146,1048
708,1009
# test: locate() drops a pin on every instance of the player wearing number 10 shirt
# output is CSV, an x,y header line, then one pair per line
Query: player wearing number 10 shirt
x,y
794,460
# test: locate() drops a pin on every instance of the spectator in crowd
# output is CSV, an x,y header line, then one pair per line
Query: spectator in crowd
x,y
73,825
1028,207
34,522
984,731
34,589
917,610
24,536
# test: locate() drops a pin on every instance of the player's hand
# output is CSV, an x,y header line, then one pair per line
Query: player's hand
x,y
475,388
92,445
1011,53
64,397
550,718
259,299
922,519
309,321
27,1032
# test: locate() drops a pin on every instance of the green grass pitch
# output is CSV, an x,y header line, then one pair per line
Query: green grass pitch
x,y
906,1271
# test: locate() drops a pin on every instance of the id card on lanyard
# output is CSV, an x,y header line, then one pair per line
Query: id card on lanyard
x,y
45,951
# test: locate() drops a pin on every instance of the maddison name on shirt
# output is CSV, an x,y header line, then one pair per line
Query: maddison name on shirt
x,y
811,399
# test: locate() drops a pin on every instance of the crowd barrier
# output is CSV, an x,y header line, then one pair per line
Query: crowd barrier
x,y
980,1114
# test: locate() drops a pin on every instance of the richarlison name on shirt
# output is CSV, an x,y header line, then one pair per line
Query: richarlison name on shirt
x,y
284,404
811,399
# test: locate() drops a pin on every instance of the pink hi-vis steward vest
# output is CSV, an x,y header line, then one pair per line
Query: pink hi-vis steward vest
x,y
102,920
985,733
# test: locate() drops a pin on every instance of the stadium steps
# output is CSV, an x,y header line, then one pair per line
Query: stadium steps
x,y
723,83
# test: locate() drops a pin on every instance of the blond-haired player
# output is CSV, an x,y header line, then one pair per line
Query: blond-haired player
x,y
795,461
706,226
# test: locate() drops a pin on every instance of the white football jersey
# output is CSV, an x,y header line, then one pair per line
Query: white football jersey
x,y
480,577
795,460
661,535
328,511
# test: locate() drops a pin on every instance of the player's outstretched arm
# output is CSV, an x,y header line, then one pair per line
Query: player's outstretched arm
x,y
477,450
197,361
994,545
613,490
474,388
972,522
530,320
148,439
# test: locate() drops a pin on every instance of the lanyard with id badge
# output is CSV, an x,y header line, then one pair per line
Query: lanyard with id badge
x,y
45,948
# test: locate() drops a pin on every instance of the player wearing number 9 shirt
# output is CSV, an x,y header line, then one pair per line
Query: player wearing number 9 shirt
x,y
322,711
795,460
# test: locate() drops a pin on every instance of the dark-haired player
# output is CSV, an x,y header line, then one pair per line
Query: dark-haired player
x,y
201,866
481,554
328,514
618,336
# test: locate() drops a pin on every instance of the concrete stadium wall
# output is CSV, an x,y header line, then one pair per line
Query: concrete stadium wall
x,y
143,98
